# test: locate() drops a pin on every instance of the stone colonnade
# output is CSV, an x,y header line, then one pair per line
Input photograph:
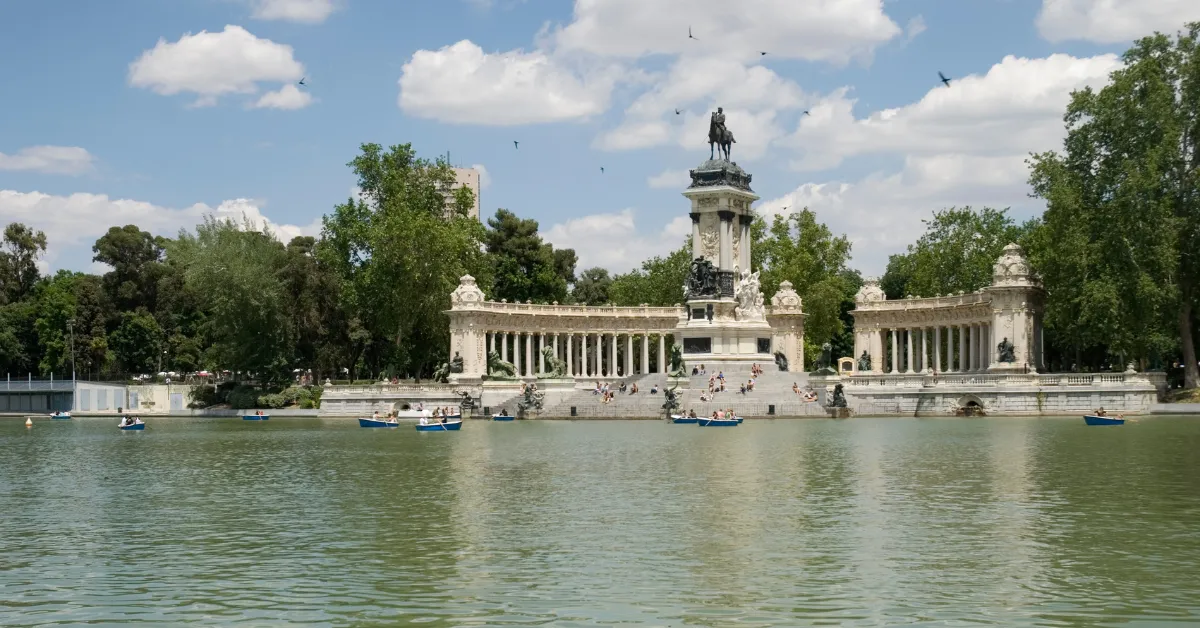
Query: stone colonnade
x,y
586,354
957,348
592,341
997,329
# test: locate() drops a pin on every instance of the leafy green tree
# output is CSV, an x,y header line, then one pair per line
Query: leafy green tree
x,y
137,342
19,253
591,288
805,252
136,258
659,282
317,319
525,267
397,255
1118,245
895,279
235,270
80,299
955,254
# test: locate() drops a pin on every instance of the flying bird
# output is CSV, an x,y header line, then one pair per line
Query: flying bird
x,y
601,169
761,53
690,34
807,113
302,80
515,145
944,79
677,112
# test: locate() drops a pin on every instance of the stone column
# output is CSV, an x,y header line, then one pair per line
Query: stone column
x,y
541,356
570,356
908,337
950,349
744,252
662,352
612,354
726,231
628,355
491,342
645,354
937,349
972,351
895,351
697,244
989,347
584,365
600,370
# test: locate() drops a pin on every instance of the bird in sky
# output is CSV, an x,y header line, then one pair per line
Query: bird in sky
x,y
807,113
677,112
515,145
601,169
690,34
302,80
761,53
944,79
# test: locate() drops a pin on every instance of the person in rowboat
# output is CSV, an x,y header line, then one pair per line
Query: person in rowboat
x,y
1101,412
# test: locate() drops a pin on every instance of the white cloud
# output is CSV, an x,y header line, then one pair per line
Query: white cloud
x,y
48,160
1113,21
752,97
485,179
286,97
211,65
462,84
304,11
882,212
915,27
834,31
1015,108
76,221
676,179
614,241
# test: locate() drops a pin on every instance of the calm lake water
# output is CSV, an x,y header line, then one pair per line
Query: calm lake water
x,y
862,522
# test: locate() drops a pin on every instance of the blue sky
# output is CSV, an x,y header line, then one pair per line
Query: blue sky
x,y
121,111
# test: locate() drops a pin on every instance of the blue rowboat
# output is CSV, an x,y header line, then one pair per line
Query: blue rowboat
x,y
683,419
378,423
255,417
1102,420
136,427
451,426
61,416
718,422
503,417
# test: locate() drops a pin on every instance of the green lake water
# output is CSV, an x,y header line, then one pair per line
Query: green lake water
x,y
862,522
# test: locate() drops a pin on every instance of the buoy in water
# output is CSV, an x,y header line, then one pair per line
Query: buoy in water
x,y
28,422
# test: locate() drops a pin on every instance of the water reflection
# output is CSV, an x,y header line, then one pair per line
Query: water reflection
x,y
860,522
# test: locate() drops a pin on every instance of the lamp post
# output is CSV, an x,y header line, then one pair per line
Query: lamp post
x,y
71,332
74,387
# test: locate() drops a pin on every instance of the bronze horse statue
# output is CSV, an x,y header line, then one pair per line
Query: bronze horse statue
x,y
719,138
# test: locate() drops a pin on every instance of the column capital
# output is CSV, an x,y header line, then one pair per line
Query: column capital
x,y
747,220
725,215
695,217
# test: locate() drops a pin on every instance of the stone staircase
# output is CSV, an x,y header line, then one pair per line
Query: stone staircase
x,y
773,387
623,406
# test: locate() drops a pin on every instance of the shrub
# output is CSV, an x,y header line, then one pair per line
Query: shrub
x,y
243,398
273,400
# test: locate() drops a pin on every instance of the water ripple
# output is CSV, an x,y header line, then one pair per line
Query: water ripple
x,y
851,523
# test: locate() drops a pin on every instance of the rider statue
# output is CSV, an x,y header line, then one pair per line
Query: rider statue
x,y
719,135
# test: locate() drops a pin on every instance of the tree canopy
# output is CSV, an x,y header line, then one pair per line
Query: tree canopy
x,y
1119,243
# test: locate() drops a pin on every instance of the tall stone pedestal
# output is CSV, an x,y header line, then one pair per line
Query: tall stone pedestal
x,y
725,326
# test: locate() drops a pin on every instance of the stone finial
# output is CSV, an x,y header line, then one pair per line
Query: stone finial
x,y
785,299
870,291
1012,269
467,292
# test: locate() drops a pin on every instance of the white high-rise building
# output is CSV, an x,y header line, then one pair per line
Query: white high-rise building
x,y
469,178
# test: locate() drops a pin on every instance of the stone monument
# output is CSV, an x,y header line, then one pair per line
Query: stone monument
x,y
725,322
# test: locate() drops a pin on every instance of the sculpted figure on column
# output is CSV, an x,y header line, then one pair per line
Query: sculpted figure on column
x,y
719,137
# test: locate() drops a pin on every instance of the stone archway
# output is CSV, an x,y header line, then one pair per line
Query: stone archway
x,y
969,405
